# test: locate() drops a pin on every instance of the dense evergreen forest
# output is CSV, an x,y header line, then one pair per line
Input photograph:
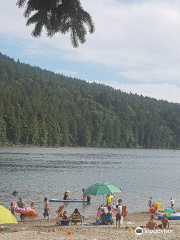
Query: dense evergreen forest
x,y
39,107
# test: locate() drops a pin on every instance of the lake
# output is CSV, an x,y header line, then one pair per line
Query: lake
x,y
48,172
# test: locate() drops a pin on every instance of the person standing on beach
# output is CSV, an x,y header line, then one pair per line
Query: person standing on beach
x,y
12,208
46,208
119,213
172,203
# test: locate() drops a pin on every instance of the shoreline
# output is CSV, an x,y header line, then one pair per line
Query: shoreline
x,y
38,146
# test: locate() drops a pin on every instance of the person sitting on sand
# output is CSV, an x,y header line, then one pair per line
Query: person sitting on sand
x,y
64,215
46,208
152,223
98,216
60,211
65,220
165,222
66,195
12,208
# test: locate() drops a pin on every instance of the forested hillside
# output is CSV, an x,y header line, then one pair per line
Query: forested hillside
x,y
38,107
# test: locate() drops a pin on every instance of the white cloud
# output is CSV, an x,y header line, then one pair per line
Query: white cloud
x,y
167,92
67,72
137,40
33,49
155,75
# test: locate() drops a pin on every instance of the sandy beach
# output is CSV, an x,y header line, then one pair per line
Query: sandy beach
x,y
40,230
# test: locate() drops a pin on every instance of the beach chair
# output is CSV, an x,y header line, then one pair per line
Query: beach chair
x,y
75,219
63,222
106,219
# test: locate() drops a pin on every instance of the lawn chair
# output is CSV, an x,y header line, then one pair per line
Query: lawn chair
x,y
75,219
63,222
106,219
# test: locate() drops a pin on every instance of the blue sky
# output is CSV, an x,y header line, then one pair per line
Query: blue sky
x,y
135,48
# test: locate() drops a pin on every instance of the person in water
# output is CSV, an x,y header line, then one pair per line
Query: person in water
x,y
15,193
172,203
21,204
152,223
86,196
33,206
66,195
150,202
46,208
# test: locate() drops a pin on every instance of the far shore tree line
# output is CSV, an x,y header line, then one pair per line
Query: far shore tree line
x,y
41,108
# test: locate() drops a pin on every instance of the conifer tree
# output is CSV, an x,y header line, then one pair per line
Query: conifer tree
x,y
58,16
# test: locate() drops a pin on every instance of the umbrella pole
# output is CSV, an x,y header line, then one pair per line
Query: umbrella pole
x,y
103,199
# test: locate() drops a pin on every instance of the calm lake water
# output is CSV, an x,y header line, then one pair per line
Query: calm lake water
x,y
49,172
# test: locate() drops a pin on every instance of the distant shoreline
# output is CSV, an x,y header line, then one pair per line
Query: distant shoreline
x,y
38,146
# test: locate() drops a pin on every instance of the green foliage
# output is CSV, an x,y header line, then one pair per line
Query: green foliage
x,y
3,138
38,107
58,16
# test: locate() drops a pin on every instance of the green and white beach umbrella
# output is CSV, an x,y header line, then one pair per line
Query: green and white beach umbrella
x,y
102,189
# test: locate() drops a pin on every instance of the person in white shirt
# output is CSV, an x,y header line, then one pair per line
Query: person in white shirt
x,y
172,203
119,213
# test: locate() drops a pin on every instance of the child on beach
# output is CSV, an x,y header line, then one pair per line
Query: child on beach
x,y
33,206
119,213
64,215
60,211
12,208
46,208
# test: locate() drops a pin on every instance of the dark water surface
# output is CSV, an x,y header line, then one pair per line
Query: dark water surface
x,y
49,172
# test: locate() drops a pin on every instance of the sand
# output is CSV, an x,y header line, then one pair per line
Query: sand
x,y
44,230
